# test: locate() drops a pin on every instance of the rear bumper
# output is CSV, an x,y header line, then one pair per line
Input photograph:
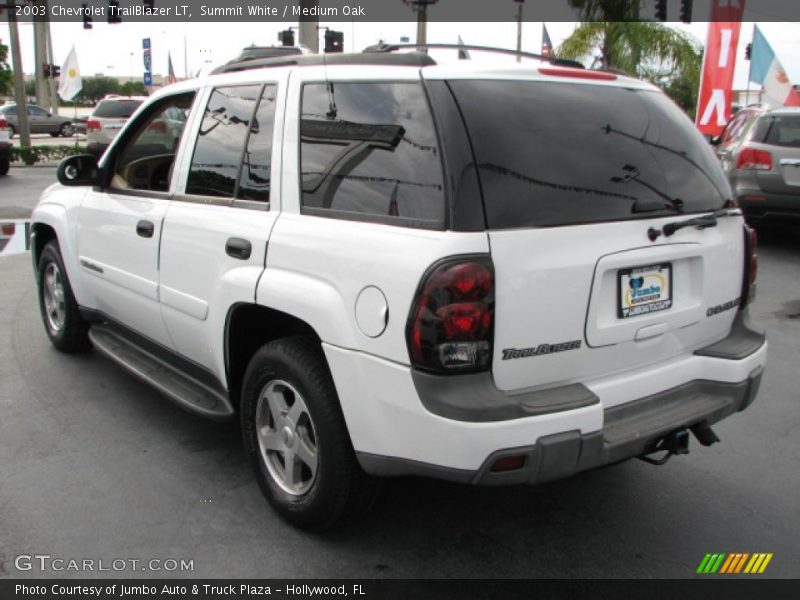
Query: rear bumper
x,y
395,432
770,207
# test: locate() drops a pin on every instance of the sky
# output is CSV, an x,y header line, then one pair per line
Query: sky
x,y
116,50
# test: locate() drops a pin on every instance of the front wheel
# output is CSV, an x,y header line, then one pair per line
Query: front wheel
x,y
296,438
62,319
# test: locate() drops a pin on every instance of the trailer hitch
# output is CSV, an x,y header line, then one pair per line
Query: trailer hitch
x,y
671,444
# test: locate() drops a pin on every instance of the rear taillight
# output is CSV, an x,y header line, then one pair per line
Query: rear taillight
x,y
92,125
754,159
8,229
750,266
3,123
451,325
158,127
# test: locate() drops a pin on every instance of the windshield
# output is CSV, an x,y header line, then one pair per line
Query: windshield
x,y
116,109
552,153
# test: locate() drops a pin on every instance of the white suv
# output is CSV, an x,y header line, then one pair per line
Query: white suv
x,y
385,266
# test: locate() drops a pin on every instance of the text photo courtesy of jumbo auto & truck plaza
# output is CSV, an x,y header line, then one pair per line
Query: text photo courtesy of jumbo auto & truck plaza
x,y
399,299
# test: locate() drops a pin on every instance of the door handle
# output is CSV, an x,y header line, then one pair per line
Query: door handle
x,y
238,248
145,229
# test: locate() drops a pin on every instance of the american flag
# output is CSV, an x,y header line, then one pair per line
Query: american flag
x,y
170,71
547,45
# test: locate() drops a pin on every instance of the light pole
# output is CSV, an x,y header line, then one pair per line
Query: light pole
x,y
19,82
421,8
519,28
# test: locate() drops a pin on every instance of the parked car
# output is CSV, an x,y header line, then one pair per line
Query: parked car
x,y
107,119
79,124
760,153
5,146
484,273
7,230
39,121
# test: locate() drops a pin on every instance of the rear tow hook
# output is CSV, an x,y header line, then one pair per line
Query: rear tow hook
x,y
676,442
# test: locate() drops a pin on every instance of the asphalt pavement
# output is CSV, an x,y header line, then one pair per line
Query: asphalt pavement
x,y
94,464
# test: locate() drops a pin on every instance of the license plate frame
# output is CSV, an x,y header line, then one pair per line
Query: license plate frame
x,y
642,279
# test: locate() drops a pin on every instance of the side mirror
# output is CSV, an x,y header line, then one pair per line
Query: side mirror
x,y
79,170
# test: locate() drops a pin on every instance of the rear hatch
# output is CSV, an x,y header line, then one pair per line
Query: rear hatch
x,y
574,173
779,135
111,115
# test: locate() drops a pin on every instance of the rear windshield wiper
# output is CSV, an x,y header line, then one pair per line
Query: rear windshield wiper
x,y
702,222
649,205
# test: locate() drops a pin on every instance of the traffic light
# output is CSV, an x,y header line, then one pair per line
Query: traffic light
x,y
748,51
286,37
113,12
46,71
87,20
149,4
661,10
55,71
686,11
334,41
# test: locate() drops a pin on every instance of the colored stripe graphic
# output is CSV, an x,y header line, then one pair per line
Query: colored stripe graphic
x,y
734,563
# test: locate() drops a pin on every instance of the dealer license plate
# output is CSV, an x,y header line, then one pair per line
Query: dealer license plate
x,y
644,290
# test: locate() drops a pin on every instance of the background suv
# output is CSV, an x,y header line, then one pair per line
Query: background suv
x,y
5,146
39,121
760,153
107,119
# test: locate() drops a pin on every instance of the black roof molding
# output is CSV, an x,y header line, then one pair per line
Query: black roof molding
x,y
384,48
405,59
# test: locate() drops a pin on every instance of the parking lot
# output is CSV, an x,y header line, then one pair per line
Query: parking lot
x,y
96,465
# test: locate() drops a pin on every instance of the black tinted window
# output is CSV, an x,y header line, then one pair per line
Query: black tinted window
x,y
255,176
220,141
779,130
116,109
562,153
370,149
11,111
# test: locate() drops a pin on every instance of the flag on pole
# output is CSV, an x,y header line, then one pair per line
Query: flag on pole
x,y
463,53
170,70
69,83
766,69
547,45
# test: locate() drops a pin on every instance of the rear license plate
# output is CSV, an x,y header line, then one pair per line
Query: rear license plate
x,y
644,290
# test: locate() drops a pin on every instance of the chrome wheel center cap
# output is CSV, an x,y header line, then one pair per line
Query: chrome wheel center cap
x,y
288,436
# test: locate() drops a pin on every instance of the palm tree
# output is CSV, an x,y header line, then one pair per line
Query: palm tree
x,y
646,50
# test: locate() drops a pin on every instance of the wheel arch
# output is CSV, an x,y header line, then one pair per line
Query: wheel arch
x,y
248,326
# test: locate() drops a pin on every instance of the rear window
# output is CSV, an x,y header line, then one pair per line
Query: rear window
x,y
561,153
778,130
116,109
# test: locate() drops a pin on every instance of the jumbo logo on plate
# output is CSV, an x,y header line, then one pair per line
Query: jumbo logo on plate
x,y
645,289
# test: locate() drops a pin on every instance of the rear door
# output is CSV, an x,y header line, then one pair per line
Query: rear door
x,y
574,174
214,243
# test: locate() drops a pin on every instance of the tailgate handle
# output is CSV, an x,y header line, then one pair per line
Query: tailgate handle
x,y
651,331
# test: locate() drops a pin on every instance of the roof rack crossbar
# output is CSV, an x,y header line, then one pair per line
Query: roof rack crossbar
x,y
550,59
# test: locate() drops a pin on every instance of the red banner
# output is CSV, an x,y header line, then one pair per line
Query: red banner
x,y
719,64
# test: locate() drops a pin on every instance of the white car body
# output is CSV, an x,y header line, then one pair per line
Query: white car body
x,y
178,290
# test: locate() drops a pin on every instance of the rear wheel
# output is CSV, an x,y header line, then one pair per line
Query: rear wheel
x,y
296,438
11,131
5,164
65,130
62,319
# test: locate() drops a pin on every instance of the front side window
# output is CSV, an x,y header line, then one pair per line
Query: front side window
x,y
228,119
146,157
369,150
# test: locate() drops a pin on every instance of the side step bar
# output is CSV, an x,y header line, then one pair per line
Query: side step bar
x,y
178,387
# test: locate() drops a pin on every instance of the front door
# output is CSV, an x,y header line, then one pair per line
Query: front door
x,y
120,225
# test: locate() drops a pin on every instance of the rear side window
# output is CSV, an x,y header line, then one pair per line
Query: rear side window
x,y
220,142
116,109
255,176
778,130
369,152
562,153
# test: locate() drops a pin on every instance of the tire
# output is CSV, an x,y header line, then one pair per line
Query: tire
x,y
62,320
11,131
55,133
290,378
65,130
5,164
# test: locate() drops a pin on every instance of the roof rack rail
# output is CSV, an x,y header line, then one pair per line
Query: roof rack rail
x,y
407,59
380,48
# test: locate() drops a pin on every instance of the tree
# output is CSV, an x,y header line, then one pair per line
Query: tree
x,y
652,51
133,88
6,80
95,88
